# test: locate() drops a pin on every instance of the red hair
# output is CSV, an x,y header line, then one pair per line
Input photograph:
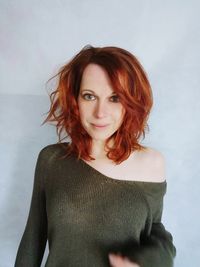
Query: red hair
x,y
130,82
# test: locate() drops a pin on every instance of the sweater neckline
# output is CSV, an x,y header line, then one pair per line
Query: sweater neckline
x,y
115,180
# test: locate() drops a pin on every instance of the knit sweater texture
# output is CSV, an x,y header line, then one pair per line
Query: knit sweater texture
x,y
85,215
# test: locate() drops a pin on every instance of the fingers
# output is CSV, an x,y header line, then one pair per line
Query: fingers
x,y
119,261
115,260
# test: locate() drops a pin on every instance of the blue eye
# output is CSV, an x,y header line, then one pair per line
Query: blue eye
x,y
87,98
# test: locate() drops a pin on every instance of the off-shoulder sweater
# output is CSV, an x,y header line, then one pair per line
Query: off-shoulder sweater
x,y
85,215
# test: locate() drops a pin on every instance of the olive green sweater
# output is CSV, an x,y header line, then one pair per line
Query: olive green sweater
x,y
85,215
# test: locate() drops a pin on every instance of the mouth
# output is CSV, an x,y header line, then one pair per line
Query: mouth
x,y
100,126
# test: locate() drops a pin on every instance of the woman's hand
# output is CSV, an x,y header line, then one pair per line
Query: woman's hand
x,y
119,261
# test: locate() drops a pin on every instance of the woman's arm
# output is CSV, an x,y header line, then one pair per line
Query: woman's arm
x,y
156,248
33,241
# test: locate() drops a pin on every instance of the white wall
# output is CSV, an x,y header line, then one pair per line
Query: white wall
x,y
37,37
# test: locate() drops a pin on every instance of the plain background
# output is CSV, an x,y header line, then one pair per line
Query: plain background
x,y
38,37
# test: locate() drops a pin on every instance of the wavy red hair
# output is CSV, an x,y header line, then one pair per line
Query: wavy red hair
x,y
130,82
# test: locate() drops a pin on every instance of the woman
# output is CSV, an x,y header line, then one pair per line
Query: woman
x,y
98,199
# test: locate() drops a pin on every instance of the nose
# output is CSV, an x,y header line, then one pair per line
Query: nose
x,y
100,109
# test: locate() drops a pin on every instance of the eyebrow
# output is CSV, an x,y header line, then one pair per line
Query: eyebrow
x,y
113,92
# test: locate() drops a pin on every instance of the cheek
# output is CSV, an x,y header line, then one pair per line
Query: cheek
x,y
120,113
84,112
81,108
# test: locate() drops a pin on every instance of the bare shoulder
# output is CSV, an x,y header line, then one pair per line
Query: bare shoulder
x,y
153,154
154,162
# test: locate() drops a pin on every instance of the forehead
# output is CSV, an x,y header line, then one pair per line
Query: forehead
x,y
94,69
95,75
96,79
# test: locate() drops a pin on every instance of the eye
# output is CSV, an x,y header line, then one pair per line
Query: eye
x,y
115,98
87,96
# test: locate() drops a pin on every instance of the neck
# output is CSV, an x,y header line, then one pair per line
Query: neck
x,y
98,150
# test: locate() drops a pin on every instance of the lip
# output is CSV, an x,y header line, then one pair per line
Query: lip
x,y
99,126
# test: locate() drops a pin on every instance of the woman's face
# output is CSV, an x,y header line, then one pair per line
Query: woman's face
x,y
101,112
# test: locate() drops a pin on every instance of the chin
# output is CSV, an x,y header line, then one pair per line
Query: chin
x,y
101,136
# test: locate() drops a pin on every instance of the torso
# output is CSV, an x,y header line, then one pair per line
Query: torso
x,y
138,167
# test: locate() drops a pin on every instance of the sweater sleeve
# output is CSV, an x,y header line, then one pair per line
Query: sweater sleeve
x,y
33,242
156,249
